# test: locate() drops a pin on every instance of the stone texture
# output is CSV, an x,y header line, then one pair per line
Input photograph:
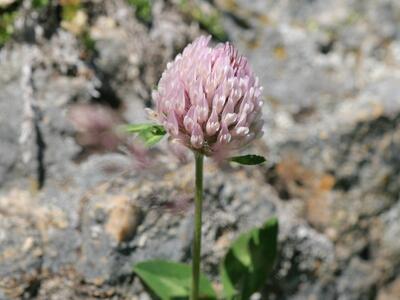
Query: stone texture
x,y
74,219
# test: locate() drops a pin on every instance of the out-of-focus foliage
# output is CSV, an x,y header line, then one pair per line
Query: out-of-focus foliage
x,y
70,9
75,20
88,42
74,17
143,10
40,3
6,26
8,14
209,18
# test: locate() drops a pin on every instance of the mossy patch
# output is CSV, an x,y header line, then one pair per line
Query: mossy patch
x,y
143,10
6,26
209,19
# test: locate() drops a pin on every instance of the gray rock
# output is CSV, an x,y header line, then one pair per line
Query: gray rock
x,y
331,78
11,112
21,254
2,296
390,244
358,281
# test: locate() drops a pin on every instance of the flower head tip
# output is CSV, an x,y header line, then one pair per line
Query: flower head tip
x,y
209,100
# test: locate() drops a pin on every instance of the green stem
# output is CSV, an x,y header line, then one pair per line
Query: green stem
x,y
197,226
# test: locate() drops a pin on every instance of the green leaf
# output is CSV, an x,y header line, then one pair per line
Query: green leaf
x,y
249,261
249,159
171,280
151,134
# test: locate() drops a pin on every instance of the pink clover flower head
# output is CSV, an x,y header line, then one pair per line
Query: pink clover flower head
x,y
209,100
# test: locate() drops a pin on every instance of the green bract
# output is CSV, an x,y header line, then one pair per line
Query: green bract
x,y
151,134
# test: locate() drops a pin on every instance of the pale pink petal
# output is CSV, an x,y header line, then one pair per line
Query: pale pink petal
x,y
209,99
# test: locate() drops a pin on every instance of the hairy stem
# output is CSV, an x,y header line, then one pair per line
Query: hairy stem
x,y
197,226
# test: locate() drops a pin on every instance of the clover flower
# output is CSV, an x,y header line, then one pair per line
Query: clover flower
x,y
209,100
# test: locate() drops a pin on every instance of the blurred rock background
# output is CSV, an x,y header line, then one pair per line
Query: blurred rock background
x,y
77,206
